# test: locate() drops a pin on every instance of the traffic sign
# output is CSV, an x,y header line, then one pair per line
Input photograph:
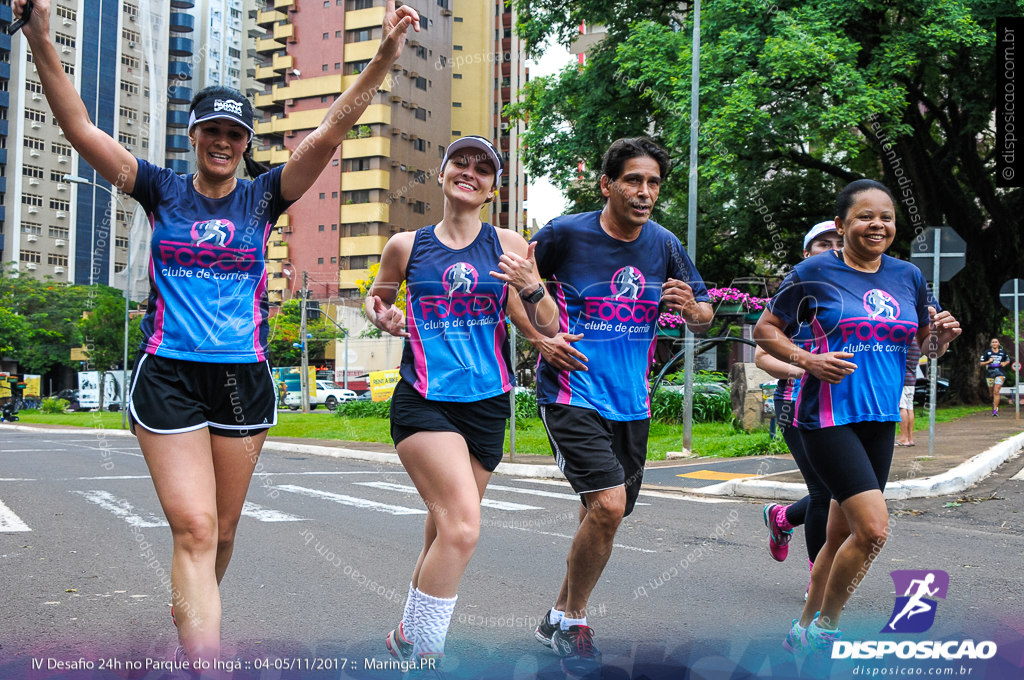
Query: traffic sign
x,y
942,243
1014,288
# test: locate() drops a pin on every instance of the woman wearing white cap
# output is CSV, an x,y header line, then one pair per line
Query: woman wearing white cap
x,y
202,396
449,410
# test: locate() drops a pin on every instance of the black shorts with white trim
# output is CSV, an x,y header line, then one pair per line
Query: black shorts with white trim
x,y
595,453
171,396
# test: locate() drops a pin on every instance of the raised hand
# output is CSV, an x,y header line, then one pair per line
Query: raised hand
x,y
38,26
396,23
517,271
388,319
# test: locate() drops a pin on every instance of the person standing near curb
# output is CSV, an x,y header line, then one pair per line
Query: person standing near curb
x,y
608,271
995,360
907,400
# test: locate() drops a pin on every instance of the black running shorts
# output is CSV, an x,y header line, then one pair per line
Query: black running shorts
x,y
171,396
481,423
595,453
851,459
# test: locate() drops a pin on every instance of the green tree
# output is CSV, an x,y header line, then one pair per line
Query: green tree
x,y
102,331
284,331
14,332
797,99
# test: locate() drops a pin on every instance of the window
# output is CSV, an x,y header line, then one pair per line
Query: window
x,y
30,256
319,260
359,36
129,34
31,228
57,176
66,13
58,232
419,144
119,267
337,65
362,4
359,196
131,10
326,36
32,86
458,20
359,66
32,171
127,140
121,242
28,57
358,262
457,76
421,52
334,162
337,34
334,227
33,200
68,68
60,149
444,3
334,260
236,54
64,39
320,228
457,105
457,48
419,207
322,195
35,144
421,114
36,116
420,177
130,61
60,204
130,114
57,260
324,67
421,83
129,87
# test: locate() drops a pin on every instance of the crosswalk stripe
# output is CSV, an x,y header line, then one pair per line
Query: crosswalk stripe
x,y
31,450
9,522
267,515
487,503
538,492
1019,476
121,508
350,500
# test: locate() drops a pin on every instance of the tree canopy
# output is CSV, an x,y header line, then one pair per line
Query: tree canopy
x,y
796,100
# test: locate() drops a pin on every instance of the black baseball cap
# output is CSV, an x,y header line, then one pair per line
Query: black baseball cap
x,y
224,106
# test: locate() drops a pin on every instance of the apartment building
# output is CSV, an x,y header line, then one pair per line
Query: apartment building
x,y
220,32
78,232
6,17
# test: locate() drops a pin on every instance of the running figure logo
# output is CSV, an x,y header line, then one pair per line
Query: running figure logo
x,y
878,303
461,277
627,283
912,612
215,232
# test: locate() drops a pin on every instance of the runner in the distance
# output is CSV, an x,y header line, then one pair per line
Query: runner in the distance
x,y
449,410
864,306
608,270
811,511
906,437
202,396
995,359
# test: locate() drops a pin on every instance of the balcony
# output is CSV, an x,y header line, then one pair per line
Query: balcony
x,y
361,51
179,70
265,101
182,23
179,95
364,212
264,45
283,62
365,179
284,4
273,156
270,17
265,74
177,119
277,284
347,277
285,220
317,87
364,18
278,252
178,165
284,32
177,143
180,47
273,266
5,69
362,245
183,4
365,148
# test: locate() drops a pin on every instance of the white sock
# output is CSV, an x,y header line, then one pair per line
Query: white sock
x,y
409,616
566,622
555,616
433,615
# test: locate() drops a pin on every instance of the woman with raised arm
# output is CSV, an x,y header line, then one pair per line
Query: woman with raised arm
x,y
449,409
202,397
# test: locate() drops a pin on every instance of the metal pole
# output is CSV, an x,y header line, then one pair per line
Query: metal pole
x,y
127,297
304,375
346,359
1016,348
512,421
934,360
691,226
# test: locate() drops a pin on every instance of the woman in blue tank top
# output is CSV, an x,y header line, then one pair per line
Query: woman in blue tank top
x,y
449,410
202,397
864,309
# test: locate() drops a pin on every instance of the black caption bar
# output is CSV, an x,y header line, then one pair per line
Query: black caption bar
x,y
1009,39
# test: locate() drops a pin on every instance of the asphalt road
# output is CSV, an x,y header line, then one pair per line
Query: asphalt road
x,y
325,549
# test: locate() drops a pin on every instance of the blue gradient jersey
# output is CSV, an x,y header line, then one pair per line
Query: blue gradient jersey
x,y
458,349
208,280
609,291
874,316
789,388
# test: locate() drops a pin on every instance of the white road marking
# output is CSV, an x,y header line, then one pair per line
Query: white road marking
x,y
17,479
551,533
30,450
538,492
358,472
487,503
121,508
654,494
117,477
268,515
1019,476
350,500
9,522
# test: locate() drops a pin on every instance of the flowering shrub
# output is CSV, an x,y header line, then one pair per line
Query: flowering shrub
x,y
670,320
734,296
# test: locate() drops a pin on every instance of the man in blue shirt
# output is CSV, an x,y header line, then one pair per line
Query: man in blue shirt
x,y
608,271
995,360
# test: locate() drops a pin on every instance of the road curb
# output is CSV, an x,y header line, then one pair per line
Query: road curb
x,y
954,480
509,469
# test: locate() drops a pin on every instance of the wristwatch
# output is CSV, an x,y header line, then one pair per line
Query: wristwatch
x,y
533,298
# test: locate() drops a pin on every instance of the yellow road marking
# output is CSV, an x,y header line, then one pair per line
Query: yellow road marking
x,y
715,475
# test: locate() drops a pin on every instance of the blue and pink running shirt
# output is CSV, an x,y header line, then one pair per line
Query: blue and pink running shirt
x,y
608,291
208,280
874,316
458,349
788,388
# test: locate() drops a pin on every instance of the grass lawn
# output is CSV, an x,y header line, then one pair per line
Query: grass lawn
x,y
709,439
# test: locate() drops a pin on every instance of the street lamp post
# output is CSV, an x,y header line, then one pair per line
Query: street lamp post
x,y
74,179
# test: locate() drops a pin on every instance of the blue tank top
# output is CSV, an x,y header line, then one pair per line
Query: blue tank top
x,y
458,349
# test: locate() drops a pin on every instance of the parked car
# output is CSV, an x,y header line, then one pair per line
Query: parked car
x,y
698,387
365,396
921,389
70,396
330,394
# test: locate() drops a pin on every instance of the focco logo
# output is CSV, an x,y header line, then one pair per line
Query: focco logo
x,y
227,105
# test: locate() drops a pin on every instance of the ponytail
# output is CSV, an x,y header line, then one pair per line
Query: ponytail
x,y
252,167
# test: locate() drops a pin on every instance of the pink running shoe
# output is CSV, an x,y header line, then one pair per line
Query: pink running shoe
x,y
778,538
